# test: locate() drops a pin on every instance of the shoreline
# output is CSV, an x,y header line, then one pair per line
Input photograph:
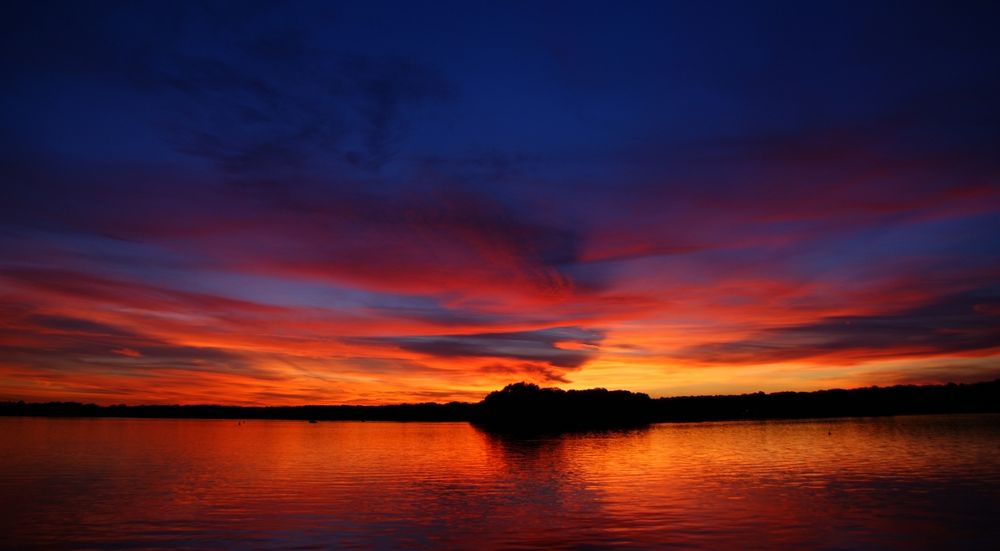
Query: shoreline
x,y
524,407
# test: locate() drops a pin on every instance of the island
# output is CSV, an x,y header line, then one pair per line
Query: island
x,y
524,407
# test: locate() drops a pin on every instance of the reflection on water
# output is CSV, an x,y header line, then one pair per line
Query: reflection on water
x,y
906,482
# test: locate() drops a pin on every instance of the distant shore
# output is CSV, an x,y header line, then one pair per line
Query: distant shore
x,y
527,407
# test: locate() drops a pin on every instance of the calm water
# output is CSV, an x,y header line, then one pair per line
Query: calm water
x,y
907,482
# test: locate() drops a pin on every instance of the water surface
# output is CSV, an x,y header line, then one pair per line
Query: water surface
x,y
926,482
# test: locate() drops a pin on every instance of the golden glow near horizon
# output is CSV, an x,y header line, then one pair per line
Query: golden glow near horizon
x,y
88,338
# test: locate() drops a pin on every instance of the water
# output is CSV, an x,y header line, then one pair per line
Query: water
x,y
908,482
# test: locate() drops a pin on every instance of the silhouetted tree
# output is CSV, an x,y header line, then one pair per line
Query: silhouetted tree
x,y
525,407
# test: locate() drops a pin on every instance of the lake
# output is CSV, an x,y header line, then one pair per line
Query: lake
x,y
921,482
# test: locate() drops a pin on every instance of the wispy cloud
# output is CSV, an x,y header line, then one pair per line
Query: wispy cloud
x,y
256,201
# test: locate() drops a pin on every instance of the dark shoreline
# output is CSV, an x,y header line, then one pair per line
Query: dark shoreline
x,y
524,407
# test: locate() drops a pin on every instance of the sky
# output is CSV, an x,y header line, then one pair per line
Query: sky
x,y
381,202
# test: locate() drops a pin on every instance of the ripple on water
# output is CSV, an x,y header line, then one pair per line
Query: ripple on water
x,y
906,482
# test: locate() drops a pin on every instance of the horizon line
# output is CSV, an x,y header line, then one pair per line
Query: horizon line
x,y
395,404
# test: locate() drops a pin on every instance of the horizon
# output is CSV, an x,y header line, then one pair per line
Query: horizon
x,y
382,203
339,404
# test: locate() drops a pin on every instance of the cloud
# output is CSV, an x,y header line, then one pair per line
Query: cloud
x,y
52,342
254,87
279,106
273,190
76,326
960,323
540,346
271,102
529,371
426,239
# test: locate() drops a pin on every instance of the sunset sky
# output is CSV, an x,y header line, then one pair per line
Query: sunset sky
x,y
256,203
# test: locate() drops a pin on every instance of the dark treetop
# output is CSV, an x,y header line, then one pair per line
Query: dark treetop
x,y
524,407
